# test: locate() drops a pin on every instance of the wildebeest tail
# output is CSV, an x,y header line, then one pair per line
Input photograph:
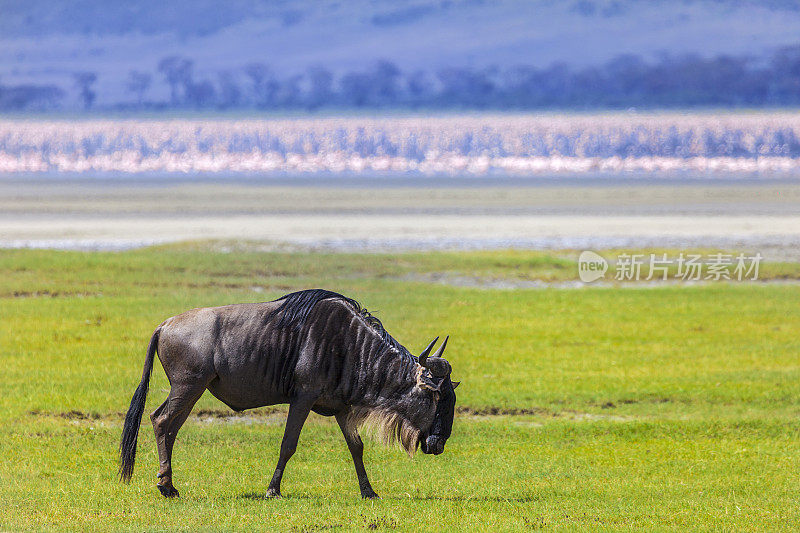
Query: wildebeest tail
x,y
130,431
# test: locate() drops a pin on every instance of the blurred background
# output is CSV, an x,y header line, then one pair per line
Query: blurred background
x,y
529,124
448,54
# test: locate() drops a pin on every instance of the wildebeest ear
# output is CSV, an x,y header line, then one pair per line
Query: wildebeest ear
x,y
456,384
426,381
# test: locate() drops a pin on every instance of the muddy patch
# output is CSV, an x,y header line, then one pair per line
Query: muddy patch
x,y
542,413
456,280
477,282
50,294
76,415
593,417
221,413
268,415
316,527
277,415
631,401
504,411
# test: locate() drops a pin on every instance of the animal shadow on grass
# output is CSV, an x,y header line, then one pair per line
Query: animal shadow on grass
x,y
290,496
306,496
518,499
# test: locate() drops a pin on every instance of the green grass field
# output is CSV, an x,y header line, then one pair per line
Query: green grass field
x,y
602,408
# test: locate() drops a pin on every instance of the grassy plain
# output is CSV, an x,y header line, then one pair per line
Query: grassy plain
x,y
648,408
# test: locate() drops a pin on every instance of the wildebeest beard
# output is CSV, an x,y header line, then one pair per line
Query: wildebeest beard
x,y
389,427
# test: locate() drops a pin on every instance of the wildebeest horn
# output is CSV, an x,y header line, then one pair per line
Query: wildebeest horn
x,y
440,351
439,367
424,355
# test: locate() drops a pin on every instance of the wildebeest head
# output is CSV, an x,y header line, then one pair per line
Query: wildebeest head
x,y
434,377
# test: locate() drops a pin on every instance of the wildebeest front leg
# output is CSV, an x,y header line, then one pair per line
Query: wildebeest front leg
x,y
356,447
298,412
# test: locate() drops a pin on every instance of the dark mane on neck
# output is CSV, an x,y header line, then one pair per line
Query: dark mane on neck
x,y
296,307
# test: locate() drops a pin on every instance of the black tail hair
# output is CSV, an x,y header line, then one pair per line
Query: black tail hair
x,y
130,431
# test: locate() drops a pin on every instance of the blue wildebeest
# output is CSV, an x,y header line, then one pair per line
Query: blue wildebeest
x,y
315,350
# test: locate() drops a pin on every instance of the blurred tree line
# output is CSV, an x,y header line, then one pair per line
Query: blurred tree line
x,y
626,81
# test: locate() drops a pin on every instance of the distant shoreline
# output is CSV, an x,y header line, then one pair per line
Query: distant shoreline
x,y
374,214
327,179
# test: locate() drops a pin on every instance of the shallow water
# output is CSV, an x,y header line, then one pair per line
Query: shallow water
x,y
401,213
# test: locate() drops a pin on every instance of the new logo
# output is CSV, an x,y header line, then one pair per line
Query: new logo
x,y
591,266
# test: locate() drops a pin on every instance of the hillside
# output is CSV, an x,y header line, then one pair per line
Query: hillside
x,y
45,43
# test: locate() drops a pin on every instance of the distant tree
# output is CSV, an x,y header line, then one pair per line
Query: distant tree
x,y
681,80
356,88
177,72
258,73
557,83
21,97
385,76
466,87
522,87
456,85
625,80
230,94
589,88
785,76
288,93
84,82
420,87
263,83
138,82
726,81
320,86
201,94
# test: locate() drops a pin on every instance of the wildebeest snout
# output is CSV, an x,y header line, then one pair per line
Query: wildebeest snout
x,y
433,444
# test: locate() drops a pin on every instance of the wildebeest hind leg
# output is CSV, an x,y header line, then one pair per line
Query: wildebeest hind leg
x,y
356,447
167,420
299,409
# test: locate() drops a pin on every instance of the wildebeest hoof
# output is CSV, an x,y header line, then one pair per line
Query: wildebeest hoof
x,y
168,491
370,495
272,493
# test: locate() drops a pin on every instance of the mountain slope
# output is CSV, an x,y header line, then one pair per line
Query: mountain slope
x,y
45,43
